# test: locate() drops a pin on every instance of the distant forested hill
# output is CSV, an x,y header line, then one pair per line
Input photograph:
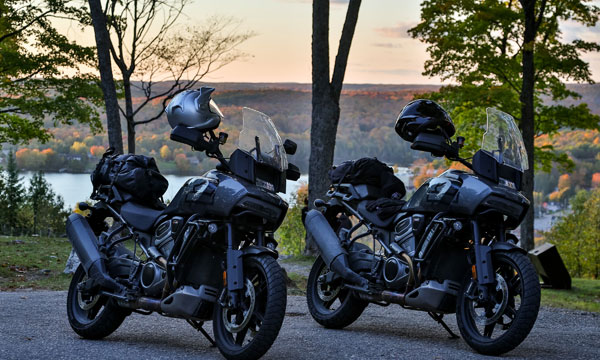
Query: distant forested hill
x,y
366,127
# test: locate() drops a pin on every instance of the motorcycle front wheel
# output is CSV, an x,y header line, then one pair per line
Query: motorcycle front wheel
x,y
498,324
247,332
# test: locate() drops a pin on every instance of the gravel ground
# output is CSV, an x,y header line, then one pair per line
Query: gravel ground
x,y
34,326
299,269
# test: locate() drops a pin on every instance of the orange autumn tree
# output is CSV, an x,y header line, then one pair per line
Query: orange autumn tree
x,y
595,180
565,190
97,150
423,170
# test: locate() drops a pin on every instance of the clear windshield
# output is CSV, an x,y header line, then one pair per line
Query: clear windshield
x,y
259,137
503,140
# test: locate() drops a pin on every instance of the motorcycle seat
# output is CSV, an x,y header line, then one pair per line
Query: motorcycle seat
x,y
371,216
139,216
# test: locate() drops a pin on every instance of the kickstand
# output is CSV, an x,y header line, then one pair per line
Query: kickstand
x,y
198,326
438,318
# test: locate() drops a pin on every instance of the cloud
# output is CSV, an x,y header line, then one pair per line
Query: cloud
x,y
573,30
387,45
310,1
399,31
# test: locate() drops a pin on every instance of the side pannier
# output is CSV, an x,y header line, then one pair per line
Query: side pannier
x,y
368,171
136,177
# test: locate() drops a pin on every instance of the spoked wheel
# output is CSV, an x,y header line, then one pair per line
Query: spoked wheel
x,y
247,332
329,304
92,317
501,322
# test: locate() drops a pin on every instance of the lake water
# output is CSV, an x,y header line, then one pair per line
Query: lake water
x,y
77,187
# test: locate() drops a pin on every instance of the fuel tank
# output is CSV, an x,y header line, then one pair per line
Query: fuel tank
x,y
220,195
462,193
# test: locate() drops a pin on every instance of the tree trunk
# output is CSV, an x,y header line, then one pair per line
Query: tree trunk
x,y
130,136
319,160
326,98
129,114
113,120
527,118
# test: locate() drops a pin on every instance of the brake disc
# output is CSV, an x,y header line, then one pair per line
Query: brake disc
x,y
325,290
87,304
485,318
231,322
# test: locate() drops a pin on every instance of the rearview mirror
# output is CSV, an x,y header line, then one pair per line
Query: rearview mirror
x,y
290,147
292,172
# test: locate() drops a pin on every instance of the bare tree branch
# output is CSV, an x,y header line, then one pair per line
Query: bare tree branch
x,y
149,49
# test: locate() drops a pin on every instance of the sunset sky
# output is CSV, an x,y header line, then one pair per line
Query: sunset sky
x,y
381,51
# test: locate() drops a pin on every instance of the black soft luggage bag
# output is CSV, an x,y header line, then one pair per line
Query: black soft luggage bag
x,y
135,175
368,171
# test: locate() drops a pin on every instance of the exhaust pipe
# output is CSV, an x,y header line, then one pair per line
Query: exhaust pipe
x,y
85,243
385,296
335,257
144,303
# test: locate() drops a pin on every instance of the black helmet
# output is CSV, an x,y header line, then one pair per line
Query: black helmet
x,y
423,116
194,109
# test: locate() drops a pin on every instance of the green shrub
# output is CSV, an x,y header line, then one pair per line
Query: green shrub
x,y
291,234
577,235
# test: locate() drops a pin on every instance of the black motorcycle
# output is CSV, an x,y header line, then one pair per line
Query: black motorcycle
x,y
209,255
446,250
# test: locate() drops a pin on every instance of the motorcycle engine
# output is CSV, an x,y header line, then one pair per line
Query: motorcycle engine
x,y
395,273
406,232
166,232
152,279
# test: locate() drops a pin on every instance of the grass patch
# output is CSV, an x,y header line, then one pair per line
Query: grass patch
x,y
33,262
38,263
305,260
297,284
584,295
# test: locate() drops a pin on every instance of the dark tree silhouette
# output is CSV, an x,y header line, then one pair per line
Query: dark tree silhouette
x,y
511,55
326,95
113,120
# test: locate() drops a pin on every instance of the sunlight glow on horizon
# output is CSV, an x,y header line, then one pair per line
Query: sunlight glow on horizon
x,y
381,53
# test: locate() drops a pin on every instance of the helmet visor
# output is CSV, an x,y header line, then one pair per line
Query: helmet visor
x,y
214,108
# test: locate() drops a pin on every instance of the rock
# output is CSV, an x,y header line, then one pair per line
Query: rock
x,y
72,263
45,271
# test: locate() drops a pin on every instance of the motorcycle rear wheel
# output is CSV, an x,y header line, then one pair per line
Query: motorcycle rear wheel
x,y
501,324
248,334
92,317
331,306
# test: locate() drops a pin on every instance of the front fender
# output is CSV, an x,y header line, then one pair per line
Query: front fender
x,y
258,250
506,246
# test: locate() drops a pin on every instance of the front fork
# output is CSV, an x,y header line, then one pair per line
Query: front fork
x,y
235,269
484,270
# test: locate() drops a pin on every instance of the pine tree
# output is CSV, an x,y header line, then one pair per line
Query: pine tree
x,y
13,193
39,195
